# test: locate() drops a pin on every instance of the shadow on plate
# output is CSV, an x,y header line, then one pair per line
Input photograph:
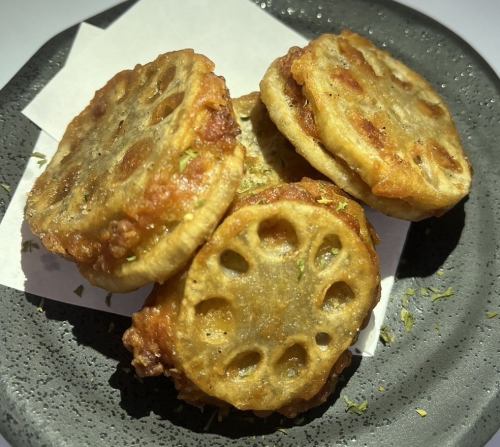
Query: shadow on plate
x,y
140,397
430,242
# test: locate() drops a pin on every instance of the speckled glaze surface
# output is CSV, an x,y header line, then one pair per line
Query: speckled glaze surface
x,y
65,378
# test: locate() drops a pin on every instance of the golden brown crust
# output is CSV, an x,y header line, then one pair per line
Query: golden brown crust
x,y
142,175
385,121
274,298
293,115
270,159
306,371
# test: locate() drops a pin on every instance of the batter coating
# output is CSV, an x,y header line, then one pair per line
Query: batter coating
x,y
384,120
143,175
292,114
264,316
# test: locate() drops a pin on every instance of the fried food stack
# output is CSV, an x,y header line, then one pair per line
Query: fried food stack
x,y
258,314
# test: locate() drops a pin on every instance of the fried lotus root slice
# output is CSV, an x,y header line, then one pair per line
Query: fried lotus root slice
x,y
151,341
270,158
384,120
272,302
143,175
293,115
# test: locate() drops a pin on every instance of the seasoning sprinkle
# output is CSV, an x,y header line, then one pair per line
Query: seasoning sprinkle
x,y
408,319
386,335
355,407
341,206
42,158
421,412
6,187
40,305
187,157
324,201
437,295
301,266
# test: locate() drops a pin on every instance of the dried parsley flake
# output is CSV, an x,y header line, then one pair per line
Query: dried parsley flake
x,y
354,407
437,295
421,412
491,314
408,319
6,187
42,158
324,201
187,157
341,206
386,335
301,265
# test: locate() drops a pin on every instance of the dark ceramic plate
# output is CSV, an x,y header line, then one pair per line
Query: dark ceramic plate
x,y
65,377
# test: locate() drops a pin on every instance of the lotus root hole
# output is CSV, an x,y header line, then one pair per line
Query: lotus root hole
x,y
233,263
278,235
337,295
166,78
328,251
215,319
292,362
243,365
134,158
166,107
323,340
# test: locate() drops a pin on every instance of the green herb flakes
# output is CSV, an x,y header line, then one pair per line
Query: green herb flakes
x,y
199,203
187,157
40,305
386,335
29,246
42,158
437,295
440,273
324,201
410,292
408,319
341,206
79,290
424,291
248,184
354,407
301,265
421,412
6,187
491,314
108,299
381,389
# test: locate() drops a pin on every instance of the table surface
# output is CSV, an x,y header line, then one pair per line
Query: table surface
x,y
475,22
